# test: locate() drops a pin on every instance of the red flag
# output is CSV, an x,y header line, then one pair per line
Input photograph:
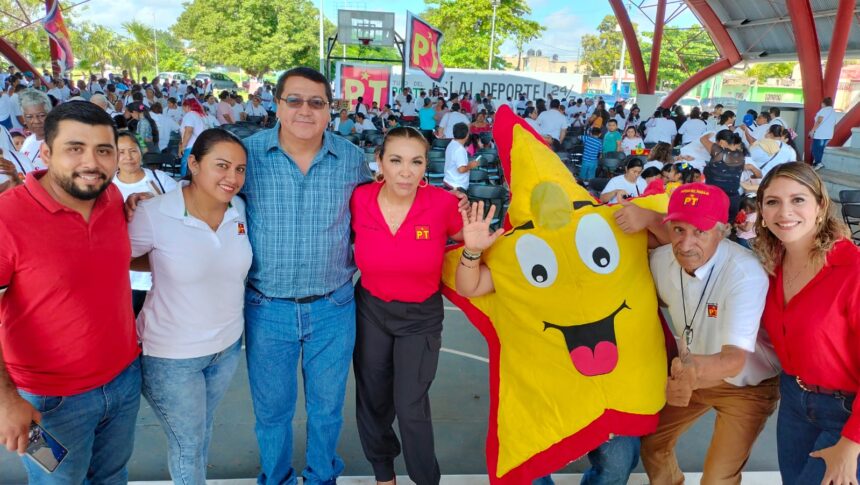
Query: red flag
x,y
373,83
422,48
61,47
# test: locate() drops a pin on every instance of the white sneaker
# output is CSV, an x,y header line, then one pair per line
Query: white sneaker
x,y
817,166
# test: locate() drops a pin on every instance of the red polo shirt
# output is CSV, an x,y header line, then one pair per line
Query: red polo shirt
x,y
406,266
817,335
67,323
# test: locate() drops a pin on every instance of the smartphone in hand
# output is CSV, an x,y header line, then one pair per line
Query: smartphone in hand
x,y
44,449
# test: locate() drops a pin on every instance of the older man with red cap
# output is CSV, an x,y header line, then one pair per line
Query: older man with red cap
x,y
713,291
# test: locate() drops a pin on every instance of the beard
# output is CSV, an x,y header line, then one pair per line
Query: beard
x,y
87,193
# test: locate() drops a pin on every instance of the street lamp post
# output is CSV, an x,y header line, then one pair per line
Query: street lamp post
x,y
620,64
322,54
495,4
155,42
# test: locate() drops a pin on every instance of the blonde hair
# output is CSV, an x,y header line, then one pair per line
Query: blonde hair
x,y
829,228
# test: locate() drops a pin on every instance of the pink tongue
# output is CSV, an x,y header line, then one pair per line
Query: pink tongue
x,y
602,361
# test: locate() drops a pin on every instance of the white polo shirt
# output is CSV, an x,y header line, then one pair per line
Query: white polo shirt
x,y
198,277
692,130
663,129
153,182
827,125
30,151
456,156
450,119
551,123
731,308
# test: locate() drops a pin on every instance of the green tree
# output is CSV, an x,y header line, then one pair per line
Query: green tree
x,y
602,51
684,52
31,41
93,46
467,25
523,36
256,35
765,70
137,50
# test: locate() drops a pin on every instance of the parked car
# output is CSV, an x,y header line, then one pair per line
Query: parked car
x,y
728,103
169,76
218,80
687,104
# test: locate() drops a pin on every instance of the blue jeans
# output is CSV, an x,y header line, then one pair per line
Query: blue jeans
x,y
279,334
183,394
818,150
806,422
97,427
611,463
588,169
183,167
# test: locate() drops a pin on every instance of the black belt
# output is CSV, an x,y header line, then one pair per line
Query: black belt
x,y
822,390
307,299
304,299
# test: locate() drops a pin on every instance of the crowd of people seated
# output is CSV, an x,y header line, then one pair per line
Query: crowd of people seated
x,y
261,239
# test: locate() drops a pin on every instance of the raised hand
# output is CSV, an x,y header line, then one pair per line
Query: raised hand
x,y
476,227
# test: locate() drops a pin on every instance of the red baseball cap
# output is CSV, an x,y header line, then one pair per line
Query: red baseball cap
x,y
701,205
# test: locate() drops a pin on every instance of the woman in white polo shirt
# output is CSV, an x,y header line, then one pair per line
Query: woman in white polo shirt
x,y
192,321
132,178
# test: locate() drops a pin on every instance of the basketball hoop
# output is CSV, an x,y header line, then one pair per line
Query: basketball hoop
x,y
365,41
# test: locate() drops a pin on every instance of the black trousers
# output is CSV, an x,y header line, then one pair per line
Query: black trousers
x,y
396,354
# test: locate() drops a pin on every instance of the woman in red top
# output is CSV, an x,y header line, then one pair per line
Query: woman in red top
x,y
401,227
812,315
480,124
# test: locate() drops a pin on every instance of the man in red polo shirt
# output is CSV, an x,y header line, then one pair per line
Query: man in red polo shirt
x,y
68,348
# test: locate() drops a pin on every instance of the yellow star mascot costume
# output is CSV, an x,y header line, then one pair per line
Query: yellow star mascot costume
x,y
577,351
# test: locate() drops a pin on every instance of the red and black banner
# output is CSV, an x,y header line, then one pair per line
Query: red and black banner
x,y
422,48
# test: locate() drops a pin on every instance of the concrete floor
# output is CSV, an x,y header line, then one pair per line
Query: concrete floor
x,y
460,407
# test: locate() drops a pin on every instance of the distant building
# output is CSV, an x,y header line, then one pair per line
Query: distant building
x,y
534,61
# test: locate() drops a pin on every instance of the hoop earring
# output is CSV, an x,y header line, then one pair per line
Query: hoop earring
x,y
379,178
424,182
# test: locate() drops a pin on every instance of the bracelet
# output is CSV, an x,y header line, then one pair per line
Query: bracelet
x,y
472,256
467,266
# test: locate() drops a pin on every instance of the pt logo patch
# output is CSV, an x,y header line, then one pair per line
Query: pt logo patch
x,y
422,233
240,228
712,310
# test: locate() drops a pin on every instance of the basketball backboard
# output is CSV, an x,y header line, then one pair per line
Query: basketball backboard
x,y
361,27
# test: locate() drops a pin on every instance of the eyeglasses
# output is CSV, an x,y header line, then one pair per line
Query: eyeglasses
x,y
296,102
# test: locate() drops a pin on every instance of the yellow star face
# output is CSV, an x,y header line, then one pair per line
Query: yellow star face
x,y
365,75
574,311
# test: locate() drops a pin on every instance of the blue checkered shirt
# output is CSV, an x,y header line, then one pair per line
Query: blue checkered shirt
x,y
299,225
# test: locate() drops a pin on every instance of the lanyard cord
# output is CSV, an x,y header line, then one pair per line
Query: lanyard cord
x,y
688,324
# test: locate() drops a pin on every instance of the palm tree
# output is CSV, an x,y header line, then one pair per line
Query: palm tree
x,y
138,49
95,46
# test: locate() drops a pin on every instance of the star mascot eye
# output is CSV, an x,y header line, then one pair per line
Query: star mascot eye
x,y
596,244
537,261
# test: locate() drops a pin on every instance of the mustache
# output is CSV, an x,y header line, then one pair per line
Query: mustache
x,y
99,173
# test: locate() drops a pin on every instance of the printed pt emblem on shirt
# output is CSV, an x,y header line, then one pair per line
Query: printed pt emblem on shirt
x,y
422,232
240,228
712,310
